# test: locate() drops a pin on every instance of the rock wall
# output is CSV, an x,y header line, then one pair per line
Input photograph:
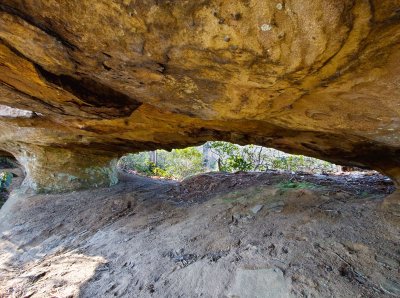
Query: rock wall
x,y
103,77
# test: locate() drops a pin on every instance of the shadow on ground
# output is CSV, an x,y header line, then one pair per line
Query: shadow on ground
x,y
213,235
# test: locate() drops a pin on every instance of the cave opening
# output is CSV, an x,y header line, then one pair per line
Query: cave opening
x,y
232,165
9,112
12,175
219,156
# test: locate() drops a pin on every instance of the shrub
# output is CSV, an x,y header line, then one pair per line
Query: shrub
x,y
181,163
139,162
5,180
177,164
233,157
222,156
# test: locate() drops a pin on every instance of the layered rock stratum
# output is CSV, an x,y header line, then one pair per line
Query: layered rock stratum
x,y
82,82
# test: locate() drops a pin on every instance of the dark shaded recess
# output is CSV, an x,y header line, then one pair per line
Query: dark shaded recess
x,y
118,147
207,133
364,155
312,147
6,154
44,27
93,93
7,160
376,155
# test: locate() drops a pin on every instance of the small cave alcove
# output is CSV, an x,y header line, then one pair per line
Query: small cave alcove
x,y
12,175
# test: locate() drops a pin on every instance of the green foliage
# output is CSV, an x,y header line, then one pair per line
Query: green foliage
x,y
286,185
290,163
227,157
233,157
5,180
178,164
181,163
161,172
139,162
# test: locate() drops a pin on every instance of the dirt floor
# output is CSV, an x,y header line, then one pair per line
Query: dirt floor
x,y
269,234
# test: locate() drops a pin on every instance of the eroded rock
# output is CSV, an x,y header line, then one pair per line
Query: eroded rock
x,y
319,78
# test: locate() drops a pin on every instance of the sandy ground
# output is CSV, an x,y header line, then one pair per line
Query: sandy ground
x,y
214,235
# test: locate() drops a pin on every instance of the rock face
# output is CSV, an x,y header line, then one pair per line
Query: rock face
x,y
96,79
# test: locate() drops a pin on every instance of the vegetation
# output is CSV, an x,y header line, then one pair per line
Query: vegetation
x,y
218,156
5,182
177,164
233,158
287,185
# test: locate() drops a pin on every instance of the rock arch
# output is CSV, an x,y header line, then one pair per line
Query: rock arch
x,y
320,78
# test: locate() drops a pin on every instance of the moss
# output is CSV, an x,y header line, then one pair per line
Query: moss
x,y
287,185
